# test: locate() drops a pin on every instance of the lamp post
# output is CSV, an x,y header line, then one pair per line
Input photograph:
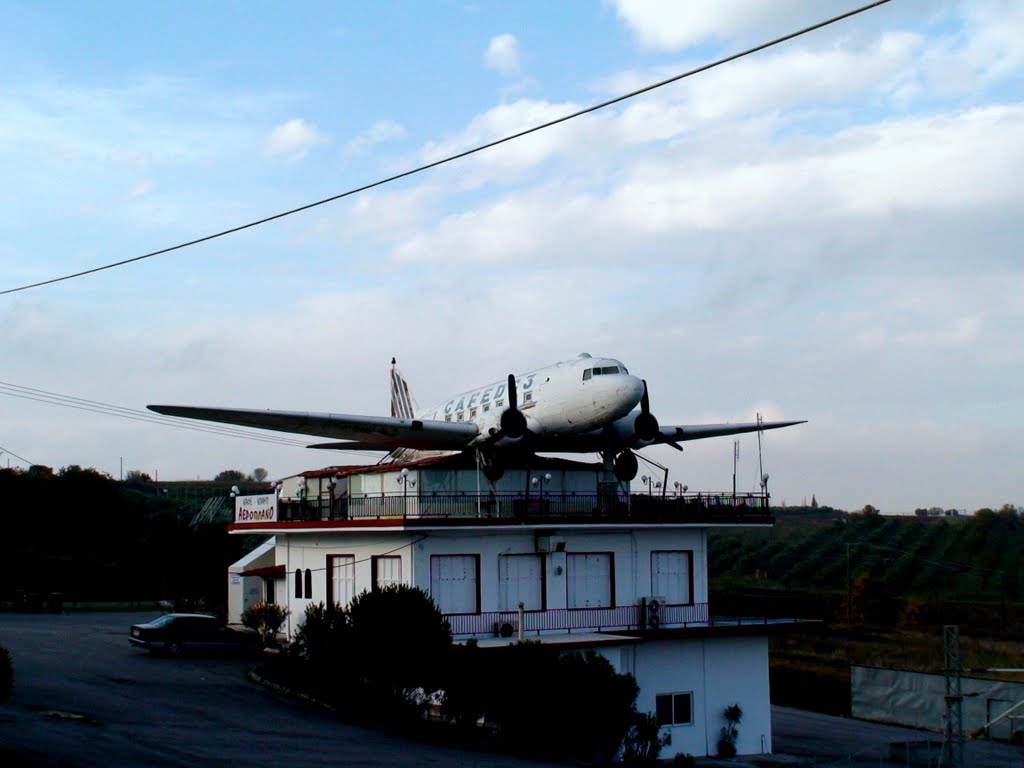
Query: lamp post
x,y
405,481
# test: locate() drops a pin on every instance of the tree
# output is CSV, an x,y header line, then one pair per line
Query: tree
x,y
870,511
230,476
259,474
136,476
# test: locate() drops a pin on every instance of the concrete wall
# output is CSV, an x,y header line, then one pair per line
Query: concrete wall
x,y
719,672
917,699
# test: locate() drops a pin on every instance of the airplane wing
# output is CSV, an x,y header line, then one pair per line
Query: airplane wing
x,y
373,433
675,434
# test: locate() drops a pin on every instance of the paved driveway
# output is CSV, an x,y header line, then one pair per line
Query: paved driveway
x,y
84,697
842,741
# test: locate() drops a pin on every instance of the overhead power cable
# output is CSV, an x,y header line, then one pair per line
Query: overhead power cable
x,y
106,409
460,155
19,458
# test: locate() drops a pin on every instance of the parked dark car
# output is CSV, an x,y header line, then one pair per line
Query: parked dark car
x,y
175,633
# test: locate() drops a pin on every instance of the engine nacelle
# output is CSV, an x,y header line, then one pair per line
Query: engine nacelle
x,y
645,426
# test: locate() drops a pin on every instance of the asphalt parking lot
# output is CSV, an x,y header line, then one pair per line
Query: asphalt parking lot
x,y
85,697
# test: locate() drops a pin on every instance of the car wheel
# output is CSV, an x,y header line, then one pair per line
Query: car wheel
x,y
175,648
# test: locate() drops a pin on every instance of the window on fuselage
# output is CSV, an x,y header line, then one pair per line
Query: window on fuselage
x,y
528,397
461,415
472,413
587,374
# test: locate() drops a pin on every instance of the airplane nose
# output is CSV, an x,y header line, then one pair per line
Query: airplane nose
x,y
631,390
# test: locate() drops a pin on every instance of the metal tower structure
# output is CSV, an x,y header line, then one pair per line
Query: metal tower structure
x,y
953,752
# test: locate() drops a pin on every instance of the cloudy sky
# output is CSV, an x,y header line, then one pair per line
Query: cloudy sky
x,y
830,230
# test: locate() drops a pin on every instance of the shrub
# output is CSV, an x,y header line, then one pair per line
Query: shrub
x,y
321,638
573,705
727,736
6,674
401,641
644,740
267,619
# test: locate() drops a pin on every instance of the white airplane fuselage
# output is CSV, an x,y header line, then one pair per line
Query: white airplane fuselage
x,y
569,397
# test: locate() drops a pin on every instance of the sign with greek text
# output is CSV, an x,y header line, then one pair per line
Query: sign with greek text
x,y
256,509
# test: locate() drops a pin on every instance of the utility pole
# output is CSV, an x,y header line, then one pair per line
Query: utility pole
x,y
953,749
735,460
849,588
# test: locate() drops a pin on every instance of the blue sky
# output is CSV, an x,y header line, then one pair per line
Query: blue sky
x,y
829,230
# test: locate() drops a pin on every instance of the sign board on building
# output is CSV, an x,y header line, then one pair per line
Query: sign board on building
x,y
256,509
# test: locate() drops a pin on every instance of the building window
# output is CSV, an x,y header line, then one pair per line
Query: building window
x,y
309,584
674,708
341,579
387,570
455,583
521,580
298,582
672,576
590,580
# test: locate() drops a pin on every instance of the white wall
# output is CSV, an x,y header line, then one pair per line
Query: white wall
x,y
631,550
720,672
737,673
311,551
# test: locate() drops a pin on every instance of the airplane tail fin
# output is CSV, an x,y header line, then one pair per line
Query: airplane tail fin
x,y
403,406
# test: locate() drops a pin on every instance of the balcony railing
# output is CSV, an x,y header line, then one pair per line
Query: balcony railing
x,y
512,508
622,618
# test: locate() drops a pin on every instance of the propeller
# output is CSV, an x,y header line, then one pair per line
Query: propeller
x,y
645,425
513,423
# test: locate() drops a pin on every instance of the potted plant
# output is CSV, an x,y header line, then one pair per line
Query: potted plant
x,y
727,736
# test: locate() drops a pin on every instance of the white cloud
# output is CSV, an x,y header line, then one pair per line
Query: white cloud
x,y
380,132
502,54
669,24
293,139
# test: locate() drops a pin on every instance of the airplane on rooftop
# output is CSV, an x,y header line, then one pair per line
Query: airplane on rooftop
x,y
583,405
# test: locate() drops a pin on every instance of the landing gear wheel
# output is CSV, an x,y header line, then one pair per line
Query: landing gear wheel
x,y
626,466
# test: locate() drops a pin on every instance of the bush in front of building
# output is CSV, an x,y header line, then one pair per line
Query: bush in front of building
x,y
542,701
267,619
644,740
402,642
6,674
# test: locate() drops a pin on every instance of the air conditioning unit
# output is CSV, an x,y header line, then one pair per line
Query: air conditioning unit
x,y
504,629
652,610
546,544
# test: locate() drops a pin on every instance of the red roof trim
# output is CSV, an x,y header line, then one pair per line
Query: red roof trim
x,y
269,570
453,461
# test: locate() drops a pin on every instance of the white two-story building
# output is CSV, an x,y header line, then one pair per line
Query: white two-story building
x,y
546,553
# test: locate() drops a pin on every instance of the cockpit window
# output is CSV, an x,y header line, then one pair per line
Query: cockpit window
x,y
610,369
587,374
